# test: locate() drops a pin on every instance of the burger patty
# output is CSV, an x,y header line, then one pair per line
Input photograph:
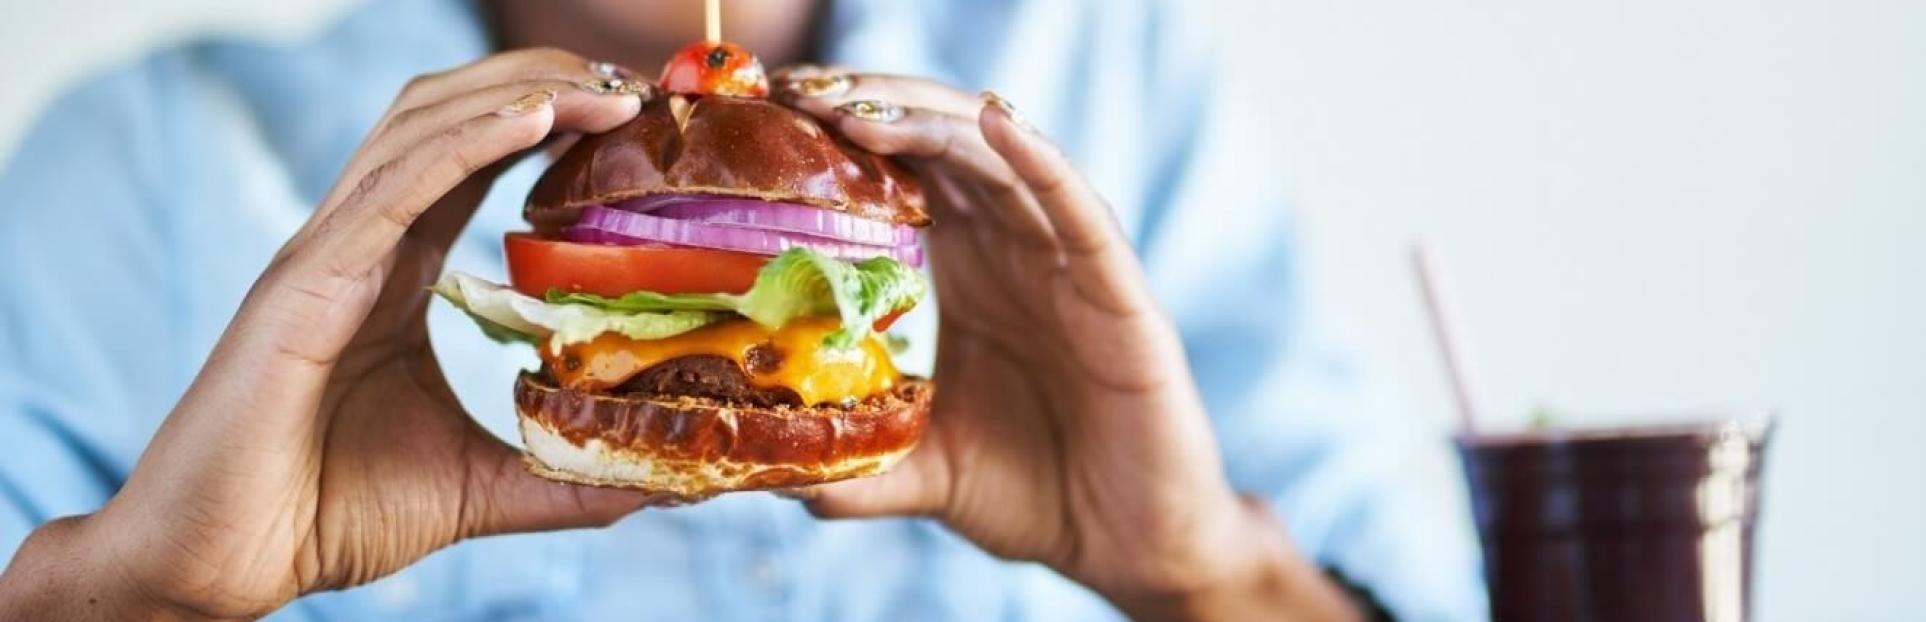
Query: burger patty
x,y
701,375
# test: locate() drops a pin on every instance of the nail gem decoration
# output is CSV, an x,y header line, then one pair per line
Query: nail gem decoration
x,y
622,86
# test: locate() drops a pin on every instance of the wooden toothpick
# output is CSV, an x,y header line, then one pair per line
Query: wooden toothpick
x,y
713,12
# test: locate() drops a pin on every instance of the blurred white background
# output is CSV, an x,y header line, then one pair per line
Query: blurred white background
x,y
1646,206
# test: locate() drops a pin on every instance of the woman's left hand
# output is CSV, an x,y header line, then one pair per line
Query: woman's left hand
x,y
1067,429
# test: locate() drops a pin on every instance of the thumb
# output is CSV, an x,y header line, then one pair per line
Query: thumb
x,y
502,496
919,485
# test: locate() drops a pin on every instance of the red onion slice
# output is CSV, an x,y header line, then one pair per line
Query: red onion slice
x,y
601,225
771,215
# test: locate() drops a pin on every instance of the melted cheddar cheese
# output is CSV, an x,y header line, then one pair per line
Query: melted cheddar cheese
x,y
816,373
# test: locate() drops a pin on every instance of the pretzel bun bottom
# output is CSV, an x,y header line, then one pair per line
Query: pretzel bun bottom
x,y
689,449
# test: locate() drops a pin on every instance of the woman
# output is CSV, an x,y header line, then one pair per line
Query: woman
x,y
297,460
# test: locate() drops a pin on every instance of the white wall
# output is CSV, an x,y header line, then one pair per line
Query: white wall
x,y
1647,205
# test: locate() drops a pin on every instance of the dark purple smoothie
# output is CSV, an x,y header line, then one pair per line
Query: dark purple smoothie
x,y
1643,523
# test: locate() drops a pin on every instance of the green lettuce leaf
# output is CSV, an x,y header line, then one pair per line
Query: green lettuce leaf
x,y
509,316
797,283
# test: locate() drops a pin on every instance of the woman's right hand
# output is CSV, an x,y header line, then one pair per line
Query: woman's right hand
x,y
320,446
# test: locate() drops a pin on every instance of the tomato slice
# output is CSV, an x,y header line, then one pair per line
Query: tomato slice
x,y
883,323
536,265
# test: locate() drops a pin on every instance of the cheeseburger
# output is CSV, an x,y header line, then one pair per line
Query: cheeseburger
x,y
706,287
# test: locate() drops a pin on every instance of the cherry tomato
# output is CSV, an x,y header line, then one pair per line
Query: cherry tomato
x,y
703,68
536,265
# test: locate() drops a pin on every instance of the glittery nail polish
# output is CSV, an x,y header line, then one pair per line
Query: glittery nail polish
x,y
820,86
622,86
1009,110
527,104
873,110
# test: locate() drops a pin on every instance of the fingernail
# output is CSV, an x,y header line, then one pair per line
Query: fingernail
x,y
620,86
1009,110
820,86
873,110
605,69
527,104
801,70
603,86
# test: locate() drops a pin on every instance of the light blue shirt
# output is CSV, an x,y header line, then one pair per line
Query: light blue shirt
x,y
137,213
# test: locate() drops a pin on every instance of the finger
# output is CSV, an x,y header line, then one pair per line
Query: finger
x,y
1099,259
577,109
328,263
949,142
1081,219
917,486
573,109
290,325
511,66
504,497
384,203
821,94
